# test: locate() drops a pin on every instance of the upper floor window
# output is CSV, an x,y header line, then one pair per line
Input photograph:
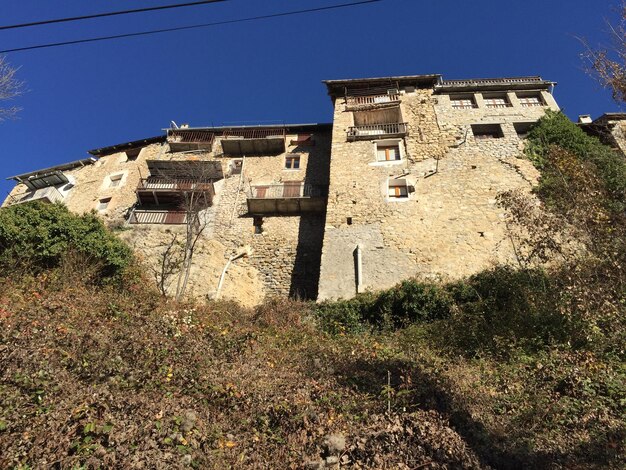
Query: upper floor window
x,y
388,152
522,128
292,162
462,102
115,180
528,100
496,101
487,131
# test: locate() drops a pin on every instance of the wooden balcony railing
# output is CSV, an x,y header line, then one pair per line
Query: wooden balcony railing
x,y
288,190
49,194
377,130
166,217
373,100
174,184
187,136
258,133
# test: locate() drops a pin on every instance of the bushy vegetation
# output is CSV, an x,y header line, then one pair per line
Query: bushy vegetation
x,y
38,236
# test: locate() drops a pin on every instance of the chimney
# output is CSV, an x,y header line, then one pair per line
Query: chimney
x,y
584,119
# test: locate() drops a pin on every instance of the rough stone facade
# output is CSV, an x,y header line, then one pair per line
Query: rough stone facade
x,y
402,184
448,224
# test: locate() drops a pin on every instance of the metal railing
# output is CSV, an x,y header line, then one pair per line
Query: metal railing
x,y
174,184
372,99
262,133
492,81
376,130
190,136
165,217
285,191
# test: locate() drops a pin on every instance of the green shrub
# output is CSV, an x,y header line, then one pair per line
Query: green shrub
x,y
38,236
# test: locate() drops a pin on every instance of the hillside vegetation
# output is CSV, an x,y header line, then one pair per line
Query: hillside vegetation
x,y
516,367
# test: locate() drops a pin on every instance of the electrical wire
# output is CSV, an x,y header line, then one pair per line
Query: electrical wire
x,y
182,28
112,13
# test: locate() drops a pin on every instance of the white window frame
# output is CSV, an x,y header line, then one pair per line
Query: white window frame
x,y
523,97
463,102
390,184
388,143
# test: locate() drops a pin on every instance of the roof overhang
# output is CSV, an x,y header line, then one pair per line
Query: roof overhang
x,y
127,146
53,169
342,87
493,84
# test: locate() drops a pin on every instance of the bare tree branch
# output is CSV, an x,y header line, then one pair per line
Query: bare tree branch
x,y
10,87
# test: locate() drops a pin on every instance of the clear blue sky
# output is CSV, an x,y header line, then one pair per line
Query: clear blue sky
x,y
94,95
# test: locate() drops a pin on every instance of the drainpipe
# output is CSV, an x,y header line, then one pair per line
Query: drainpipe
x,y
358,254
246,251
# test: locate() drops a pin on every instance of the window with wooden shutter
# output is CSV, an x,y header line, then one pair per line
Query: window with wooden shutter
x,y
387,153
398,189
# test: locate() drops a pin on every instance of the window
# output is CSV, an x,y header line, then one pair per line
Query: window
x,y
528,101
398,189
496,101
292,162
103,204
462,102
522,128
115,181
258,225
132,154
388,152
487,131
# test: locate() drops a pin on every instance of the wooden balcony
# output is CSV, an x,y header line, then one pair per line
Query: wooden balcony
x,y
287,198
372,101
155,190
182,140
377,131
253,141
49,195
158,216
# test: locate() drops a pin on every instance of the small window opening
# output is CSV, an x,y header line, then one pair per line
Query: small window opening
x,y
115,181
398,189
463,101
349,220
132,154
528,100
235,166
522,128
258,225
292,162
487,131
103,204
499,100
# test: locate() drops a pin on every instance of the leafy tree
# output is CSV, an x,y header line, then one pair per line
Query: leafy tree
x,y
36,236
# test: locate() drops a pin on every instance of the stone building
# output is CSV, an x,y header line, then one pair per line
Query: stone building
x,y
610,128
403,183
267,187
416,164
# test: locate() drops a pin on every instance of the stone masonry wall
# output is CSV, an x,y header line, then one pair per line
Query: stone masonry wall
x,y
450,226
285,256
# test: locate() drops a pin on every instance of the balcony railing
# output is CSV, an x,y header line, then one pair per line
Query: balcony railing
x,y
492,81
262,133
287,199
167,184
377,130
49,194
166,217
190,139
373,100
285,191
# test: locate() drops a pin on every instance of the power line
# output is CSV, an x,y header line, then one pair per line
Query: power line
x,y
182,28
112,13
